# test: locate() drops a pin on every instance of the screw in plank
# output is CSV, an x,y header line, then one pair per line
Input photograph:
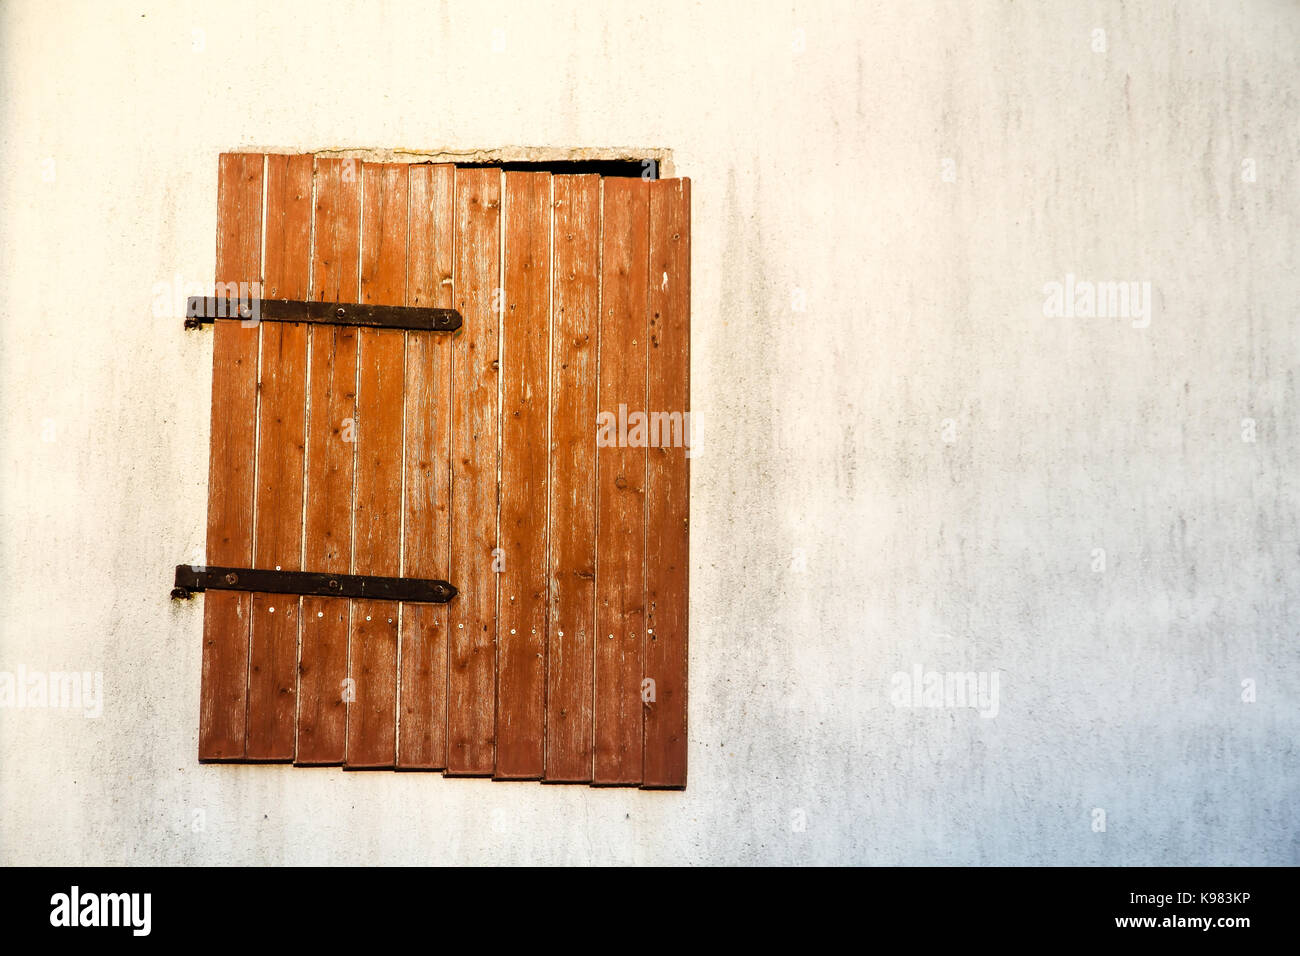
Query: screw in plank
x,y
232,578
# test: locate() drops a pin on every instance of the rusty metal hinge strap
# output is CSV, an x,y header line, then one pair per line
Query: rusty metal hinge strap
x,y
191,578
202,310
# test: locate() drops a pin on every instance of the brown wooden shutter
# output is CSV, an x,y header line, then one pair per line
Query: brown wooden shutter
x,y
468,456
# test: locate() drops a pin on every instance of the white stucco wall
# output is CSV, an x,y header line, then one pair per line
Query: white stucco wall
x,y
815,135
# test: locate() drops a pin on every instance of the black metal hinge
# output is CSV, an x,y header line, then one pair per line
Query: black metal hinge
x,y
205,310
190,579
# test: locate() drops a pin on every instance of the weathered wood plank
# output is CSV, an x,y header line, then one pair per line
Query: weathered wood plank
x,y
620,485
473,624
282,406
525,335
668,483
422,730
224,692
372,649
572,492
331,433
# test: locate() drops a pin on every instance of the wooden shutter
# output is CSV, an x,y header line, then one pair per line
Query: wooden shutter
x,y
475,457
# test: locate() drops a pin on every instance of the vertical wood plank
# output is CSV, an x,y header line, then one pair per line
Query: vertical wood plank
x,y
422,730
273,647
331,432
668,481
620,484
525,333
472,617
372,648
224,692
572,492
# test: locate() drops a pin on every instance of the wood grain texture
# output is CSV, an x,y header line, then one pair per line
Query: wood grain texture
x,y
620,485
537,458
323,661
525,334
472,630
282,407
572,491
224,690
668,482
372,648
422,728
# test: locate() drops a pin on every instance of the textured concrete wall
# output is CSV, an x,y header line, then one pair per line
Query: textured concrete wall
x,y
904,463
